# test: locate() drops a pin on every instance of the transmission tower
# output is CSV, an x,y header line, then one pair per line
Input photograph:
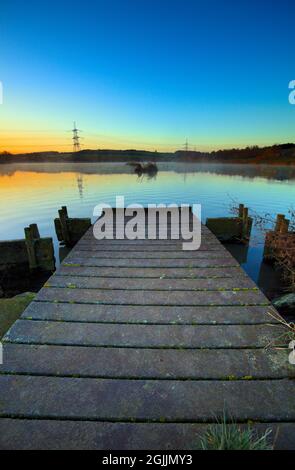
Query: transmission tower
x,y
76,138
186,147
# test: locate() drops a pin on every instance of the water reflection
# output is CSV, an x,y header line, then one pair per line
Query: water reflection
x,y
240,252
273,172
79,178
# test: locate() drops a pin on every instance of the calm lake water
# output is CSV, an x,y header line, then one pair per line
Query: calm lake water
x,y
32,193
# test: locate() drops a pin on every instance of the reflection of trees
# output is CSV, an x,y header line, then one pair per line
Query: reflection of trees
x,y
277,172
145,176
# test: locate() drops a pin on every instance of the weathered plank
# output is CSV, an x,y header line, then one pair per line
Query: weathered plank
x,y
144,297
140,400
146,336
246,364
151,263
160,233
147,255
55,434
149,284
110,245
119,228
148,314
207,243
171,273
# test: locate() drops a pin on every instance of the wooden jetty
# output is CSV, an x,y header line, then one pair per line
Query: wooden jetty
x,y
137,344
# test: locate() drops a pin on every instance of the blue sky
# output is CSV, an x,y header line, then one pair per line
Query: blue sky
x,y
146,74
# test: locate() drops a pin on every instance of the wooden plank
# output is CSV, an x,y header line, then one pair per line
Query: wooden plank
x,y
36,434
151,400
167,236
150,284
245,364
145,336
145,245
205,231
147,314
100,249
147,255
144,297
151,263
160,233
171,273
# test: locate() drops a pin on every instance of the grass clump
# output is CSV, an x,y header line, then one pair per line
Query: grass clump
x,y
11,310
289,333
230,436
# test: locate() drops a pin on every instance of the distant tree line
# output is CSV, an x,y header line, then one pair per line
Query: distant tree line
x,y
280,153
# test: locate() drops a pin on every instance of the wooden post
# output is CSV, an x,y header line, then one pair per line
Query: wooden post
x,y
30,244
284,226
280,218
241,210
65,210
69,230
34,230
246,224
63,217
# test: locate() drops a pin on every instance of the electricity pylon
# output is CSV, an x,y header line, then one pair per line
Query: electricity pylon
x,y
76,138
186,147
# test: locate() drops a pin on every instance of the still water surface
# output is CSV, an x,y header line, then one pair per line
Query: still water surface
x,y
32,193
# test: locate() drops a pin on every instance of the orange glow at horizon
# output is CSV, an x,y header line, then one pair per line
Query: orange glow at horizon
x,y
27,142
18,143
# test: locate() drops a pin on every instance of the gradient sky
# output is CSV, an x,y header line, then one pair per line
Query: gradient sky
x,y
146,73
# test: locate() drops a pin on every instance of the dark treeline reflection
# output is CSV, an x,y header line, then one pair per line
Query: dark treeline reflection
x,y
274,172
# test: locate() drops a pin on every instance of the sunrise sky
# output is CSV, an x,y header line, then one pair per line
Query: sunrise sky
x,y
146,74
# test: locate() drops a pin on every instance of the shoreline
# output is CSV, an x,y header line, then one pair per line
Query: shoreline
x,y
13,159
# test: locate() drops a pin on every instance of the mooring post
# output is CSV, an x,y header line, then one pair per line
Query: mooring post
x,y
31,234
284,226
245,214
63,217
246,222
241,210
65,210
34,231
279,241
69,230
280,218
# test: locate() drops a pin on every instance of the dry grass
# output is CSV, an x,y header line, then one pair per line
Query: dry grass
x,y
289,333
227,435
